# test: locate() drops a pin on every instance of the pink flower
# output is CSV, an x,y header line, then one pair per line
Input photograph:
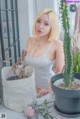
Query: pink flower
x,y
29,111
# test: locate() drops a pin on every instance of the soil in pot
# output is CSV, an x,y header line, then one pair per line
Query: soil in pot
x,y
15,78
75,85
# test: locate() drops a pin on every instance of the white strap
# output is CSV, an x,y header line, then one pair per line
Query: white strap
x,y
48,48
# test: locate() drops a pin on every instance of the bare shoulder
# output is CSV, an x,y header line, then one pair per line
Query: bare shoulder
x,y
58,43
59,46
30,40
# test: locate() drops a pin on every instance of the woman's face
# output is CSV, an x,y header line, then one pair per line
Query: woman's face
x,y
42,26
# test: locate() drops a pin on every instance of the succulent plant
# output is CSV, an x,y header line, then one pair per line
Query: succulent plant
x,y
76,52
68,69
76,62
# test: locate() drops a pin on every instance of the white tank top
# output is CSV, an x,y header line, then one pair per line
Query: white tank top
x,y
42,68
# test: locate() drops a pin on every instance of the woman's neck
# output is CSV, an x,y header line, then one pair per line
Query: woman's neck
x,y
43,39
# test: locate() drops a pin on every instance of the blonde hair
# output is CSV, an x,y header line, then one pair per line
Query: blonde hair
x,y
53,21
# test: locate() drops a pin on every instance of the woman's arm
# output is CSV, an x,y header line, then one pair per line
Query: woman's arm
x,y
59,58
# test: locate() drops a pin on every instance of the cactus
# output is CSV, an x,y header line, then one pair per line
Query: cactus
x,y
68,69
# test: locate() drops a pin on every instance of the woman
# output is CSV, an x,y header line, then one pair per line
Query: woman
x,y
44,49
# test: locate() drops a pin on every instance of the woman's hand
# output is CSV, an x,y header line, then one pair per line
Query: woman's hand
x,y
38,89
43,92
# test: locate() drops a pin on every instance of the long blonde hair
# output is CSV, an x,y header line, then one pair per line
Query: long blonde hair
x,y
53,21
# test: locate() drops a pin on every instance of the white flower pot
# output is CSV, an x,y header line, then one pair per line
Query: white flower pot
x,y
17,94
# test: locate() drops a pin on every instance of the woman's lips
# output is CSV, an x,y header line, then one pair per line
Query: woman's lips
x,y
39,31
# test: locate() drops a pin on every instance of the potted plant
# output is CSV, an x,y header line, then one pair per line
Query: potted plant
x,y
66,86
18,83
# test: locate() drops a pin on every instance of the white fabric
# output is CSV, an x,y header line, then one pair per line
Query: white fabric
x,y
17,94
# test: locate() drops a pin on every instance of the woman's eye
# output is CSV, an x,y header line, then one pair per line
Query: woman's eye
x,y
46,24
38,21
